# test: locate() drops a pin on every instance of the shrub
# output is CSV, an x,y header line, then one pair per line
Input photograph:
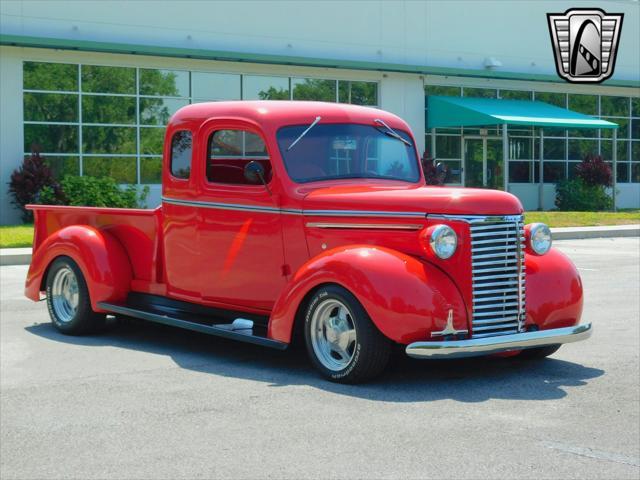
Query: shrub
x,y
101,192
588,190
577,195
593,171
29,182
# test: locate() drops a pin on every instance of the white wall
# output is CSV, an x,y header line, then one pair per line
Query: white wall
x,y
628,195
447,33
11,131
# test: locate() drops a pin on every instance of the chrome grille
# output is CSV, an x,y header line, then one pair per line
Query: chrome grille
x,y
497,265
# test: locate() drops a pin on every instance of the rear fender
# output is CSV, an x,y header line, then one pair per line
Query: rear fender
x,y
101,258
405,297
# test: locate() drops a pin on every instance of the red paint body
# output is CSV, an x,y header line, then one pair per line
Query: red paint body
x,y
268,261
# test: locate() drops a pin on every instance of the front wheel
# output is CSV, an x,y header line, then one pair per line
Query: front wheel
x,y
68,299
342,341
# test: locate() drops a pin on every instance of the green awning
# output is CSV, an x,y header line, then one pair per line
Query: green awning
x,y
467,111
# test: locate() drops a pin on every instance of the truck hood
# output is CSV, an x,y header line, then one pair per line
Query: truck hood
x,y
412,198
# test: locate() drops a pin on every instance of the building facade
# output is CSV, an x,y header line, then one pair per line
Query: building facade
x,y
92,84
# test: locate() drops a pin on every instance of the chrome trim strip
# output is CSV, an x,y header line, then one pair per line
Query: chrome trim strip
x,y
372,226
496,344
475,218
362,213
290,211
521,280
228,206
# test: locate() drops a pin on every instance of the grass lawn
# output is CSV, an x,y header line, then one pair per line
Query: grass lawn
x,y
16,236
22,235
584,219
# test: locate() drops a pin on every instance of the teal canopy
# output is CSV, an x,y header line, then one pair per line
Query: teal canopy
x,y
467,111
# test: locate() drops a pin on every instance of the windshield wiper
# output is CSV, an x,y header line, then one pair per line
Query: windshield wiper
x,y
304,133
391,132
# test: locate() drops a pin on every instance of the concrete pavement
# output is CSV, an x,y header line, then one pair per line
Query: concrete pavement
x,y
146,401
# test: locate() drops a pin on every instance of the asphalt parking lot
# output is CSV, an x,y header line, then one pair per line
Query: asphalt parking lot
x,y
146,401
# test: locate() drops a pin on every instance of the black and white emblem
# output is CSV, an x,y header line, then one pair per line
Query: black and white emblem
x,y
585,42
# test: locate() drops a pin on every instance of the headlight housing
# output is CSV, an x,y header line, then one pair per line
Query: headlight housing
x,y
539,238
443,241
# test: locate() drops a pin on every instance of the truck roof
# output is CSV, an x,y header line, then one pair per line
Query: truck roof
x,y
276,113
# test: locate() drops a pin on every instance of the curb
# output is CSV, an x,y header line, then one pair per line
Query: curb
x,y
15,256
579,233
22,256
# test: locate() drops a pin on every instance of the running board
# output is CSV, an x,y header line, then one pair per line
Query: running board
x,y
238,330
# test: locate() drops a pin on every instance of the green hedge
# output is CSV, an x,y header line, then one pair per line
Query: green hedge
x,y
576,195
94,192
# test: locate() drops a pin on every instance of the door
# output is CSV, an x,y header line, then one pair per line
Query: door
x,y
474,175
483,162
493,163
240,232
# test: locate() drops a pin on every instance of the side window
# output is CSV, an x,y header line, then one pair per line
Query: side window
x,y
228,153
181,146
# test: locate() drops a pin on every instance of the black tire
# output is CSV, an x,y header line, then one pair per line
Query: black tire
x,y
82,319
539,352
370,350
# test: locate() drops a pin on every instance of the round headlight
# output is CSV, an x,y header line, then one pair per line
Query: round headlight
x,y
539,238
443,241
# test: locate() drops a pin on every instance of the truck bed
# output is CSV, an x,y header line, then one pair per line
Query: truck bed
x,y
139,231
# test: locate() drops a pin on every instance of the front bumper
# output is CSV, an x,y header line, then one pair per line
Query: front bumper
x,y
504,343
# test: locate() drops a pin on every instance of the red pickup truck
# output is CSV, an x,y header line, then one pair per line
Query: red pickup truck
x,y
306,221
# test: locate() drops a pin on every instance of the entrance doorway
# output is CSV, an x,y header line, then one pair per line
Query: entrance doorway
x,y
483,162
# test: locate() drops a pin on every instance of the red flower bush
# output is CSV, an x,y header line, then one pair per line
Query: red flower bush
x,y
28,181
593,171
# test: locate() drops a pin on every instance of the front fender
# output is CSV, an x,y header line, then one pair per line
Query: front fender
x,y
405,297
553,291
101,258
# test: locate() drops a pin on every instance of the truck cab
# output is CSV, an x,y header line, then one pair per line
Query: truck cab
x,y
311,222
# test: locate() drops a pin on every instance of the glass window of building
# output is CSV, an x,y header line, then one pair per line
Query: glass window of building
x,y
479,92
443,90
101,79
215,86
358,93
262,87
314,89
516,94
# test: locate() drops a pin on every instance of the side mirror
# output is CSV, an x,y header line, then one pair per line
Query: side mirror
x,y
254,173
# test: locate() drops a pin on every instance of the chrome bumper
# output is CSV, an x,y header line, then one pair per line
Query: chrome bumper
x,y
504,343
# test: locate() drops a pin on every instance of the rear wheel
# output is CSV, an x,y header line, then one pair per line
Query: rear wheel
x,y
342,341
539,352
68,299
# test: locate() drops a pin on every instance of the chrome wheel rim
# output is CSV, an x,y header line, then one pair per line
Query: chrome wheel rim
x,y
65,295
333,334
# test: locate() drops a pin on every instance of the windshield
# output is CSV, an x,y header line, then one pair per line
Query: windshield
x,y
347,150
